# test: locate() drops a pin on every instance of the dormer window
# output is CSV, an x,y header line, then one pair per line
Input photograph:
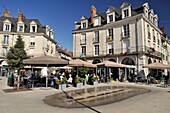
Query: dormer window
x,y
84,24
110,18
96,22
20,28
110,15
126,10
7,25
33,27
126,13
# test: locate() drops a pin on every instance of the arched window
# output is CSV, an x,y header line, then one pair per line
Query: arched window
x,y
96,61
112,60
128,61
149,61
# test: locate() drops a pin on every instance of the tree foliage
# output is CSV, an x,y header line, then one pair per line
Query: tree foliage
x,y
16,54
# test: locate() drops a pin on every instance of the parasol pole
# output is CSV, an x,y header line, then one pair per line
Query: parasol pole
x,y
47,77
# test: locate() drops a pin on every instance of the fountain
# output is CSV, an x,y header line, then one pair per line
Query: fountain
x,y
98,95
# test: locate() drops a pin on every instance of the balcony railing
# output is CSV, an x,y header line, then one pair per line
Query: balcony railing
x,y
125,51
109,38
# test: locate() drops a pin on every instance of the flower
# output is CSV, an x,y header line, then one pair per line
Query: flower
x,y
125,53
59,82
95,78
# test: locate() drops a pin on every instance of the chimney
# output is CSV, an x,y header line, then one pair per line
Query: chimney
x,y
6,13
20,17
162,29
93,12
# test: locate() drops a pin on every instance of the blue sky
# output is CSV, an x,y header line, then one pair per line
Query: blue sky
x,y
60,15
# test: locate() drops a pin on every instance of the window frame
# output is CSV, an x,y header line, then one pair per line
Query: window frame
x,y
126,30
96,50
6,39
83,50
126,13
83,38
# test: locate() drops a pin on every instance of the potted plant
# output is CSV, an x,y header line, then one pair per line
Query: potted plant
x,y
58,84
94,80
61,84
79,82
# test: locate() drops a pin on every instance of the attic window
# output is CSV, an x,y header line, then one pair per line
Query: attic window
x,y
7,27
20,28
126,13
33,29
84,24
96,22
110,18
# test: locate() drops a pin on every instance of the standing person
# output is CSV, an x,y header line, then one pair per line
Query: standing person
x,y
11,78
166,78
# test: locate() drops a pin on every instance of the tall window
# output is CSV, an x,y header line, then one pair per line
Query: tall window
x,y
110,34
32,41
96,39
126,46
110,48
7,27
96,49
126,30
149,43
31,51
110,18
6,39
126,13
158,38
4,51
83,50
154,38
83,38
84,24
149,34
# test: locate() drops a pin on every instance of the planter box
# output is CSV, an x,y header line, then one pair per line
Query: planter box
x,y
61,86
79,85
95,83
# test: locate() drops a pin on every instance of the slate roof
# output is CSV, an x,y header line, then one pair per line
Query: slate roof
x,y
118,15
41,28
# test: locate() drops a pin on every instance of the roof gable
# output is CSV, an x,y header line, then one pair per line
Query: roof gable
x,y
33,23
146,5
125,4
83,18
110,10
7,21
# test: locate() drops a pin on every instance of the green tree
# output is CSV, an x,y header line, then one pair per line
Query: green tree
x,y
16,55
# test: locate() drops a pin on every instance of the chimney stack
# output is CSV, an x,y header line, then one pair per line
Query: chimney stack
x,y
162,29
93,12
20,17
6,13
